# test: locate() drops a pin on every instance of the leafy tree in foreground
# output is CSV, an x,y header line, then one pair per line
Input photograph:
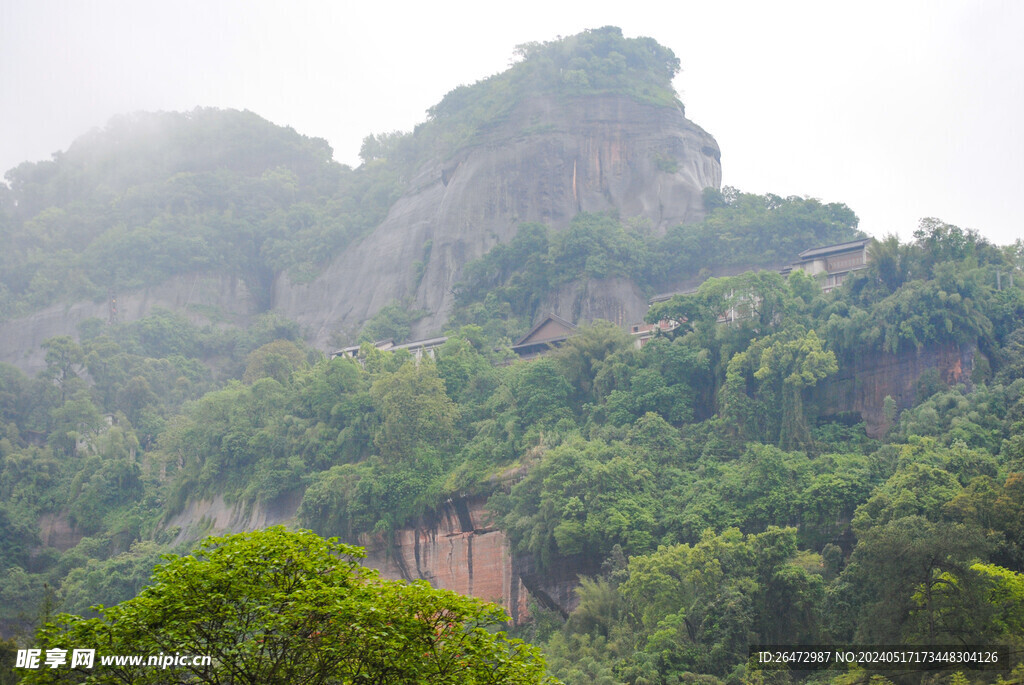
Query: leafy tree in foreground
x,y
291,607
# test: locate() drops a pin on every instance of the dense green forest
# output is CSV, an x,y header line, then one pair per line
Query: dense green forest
x,y
502,291
702,479
697,472
155,195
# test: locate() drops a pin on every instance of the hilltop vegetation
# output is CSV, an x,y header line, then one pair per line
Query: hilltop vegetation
x,y
154,195
595,62
150,196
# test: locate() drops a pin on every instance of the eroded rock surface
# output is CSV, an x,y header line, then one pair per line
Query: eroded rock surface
x,y
201,297
861,387
548,161
460,549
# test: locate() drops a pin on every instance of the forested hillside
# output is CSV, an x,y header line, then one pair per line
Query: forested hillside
x,y
721,507
152,204
154,195
712,489
503,291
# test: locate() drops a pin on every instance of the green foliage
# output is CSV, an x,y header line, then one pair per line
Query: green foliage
x,y
895,565
703,473
583,498
277,360
275,606
8,657
19,537
782,366
110,581
749,230
153,196
943,288
392,322
691,609
416,414
997,508
1006,593
981,419
501,292
594,62
601,60
541,394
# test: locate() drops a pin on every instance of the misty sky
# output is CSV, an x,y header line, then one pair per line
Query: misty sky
x,y
901,110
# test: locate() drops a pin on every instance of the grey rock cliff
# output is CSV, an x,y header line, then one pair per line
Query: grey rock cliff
x,y
201,297
618,300
549,160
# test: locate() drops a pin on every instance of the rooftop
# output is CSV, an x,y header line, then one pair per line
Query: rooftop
x,y
833,249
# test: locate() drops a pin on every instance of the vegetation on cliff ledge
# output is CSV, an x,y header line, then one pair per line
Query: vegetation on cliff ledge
x,y
503,291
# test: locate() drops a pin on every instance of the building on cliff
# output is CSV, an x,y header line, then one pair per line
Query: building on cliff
x,y
644,332
417,348
832,263
835,262
550,332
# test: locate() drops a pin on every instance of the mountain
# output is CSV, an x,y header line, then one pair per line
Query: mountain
x,y
795,456
261,219
549,160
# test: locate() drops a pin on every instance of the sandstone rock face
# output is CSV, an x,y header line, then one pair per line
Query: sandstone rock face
x,y
55,530
862,387
200,297
618,300
216,517
459,549
546,162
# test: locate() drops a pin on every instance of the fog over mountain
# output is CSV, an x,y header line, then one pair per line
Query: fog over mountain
x,y
902,111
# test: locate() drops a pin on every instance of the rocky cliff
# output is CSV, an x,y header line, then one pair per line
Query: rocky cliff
x,y
861,387
457,548
550,159
201,297
460,549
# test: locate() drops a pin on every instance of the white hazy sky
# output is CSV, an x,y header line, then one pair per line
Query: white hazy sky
x,y
900,109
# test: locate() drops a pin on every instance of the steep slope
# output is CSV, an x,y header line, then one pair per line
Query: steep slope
x,y
191,211
587,123
550,159
199,296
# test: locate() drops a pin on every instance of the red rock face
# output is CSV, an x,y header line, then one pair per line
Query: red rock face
x,y
458,550
862,386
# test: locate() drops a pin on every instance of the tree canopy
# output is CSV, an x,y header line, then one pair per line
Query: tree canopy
x,y
290,607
